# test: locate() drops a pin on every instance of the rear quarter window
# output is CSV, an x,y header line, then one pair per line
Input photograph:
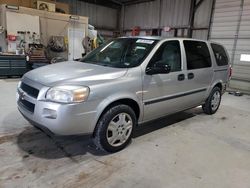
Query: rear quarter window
x,y
220,55
197,55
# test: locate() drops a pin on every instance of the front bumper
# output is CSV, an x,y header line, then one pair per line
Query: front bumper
x,y
68,120
61,119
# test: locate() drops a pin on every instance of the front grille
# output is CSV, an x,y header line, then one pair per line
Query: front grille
x,y
27,105
29,90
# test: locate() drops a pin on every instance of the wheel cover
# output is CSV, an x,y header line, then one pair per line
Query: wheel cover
x,y
215,102
119,129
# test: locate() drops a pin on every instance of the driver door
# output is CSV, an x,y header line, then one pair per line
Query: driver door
x,y
163,92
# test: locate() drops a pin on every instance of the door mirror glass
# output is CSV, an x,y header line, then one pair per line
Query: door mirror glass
x,y
158,68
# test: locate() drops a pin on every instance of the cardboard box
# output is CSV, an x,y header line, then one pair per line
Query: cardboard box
x,y
46,6
60,7
24,3
11,2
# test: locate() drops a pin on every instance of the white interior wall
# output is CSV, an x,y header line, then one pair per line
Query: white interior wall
x,y
25,22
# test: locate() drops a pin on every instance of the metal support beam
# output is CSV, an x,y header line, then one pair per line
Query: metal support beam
x,y
116,2
210,21
160,11
193,8
191,18
107,3
237,32
120,20
131,2
197,5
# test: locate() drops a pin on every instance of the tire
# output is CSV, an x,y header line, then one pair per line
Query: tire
x,y
213,101
114,129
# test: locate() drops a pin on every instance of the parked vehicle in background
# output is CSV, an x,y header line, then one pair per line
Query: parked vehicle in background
x,y
122,84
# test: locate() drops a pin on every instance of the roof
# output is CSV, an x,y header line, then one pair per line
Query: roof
x,y
145,37
162,38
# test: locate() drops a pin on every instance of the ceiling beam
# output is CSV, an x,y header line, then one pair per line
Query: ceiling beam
x,y
131,2
115,3
107,3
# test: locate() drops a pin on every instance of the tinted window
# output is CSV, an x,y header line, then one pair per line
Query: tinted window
x,y
220,54
197,54
169,53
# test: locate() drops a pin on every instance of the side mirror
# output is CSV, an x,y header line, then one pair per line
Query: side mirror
x,y
158,68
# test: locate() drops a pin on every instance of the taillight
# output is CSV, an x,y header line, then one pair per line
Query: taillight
x,y
230,71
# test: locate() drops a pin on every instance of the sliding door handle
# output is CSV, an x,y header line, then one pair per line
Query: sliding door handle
x,y
190,76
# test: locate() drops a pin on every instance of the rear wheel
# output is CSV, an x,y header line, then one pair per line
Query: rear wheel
x,y
213,101
114,129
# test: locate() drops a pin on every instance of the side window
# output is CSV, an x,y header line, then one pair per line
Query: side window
x,y
197,55
169,53
220,55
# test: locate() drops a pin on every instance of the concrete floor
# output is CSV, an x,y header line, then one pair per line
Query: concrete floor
x,y
188,149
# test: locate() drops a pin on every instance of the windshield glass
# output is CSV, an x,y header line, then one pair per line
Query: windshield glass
x,y
121,53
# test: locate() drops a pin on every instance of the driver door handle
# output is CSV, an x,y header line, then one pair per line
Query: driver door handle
x,y
181,77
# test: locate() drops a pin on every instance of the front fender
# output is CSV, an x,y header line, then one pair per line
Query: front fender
x,y
113,98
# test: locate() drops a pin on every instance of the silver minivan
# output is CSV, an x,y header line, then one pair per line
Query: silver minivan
x,y
124,83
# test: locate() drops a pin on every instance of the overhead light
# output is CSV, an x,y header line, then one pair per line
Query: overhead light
x,y
73,17
12,7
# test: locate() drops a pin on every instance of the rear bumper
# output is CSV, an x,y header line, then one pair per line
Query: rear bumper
x,y
224,88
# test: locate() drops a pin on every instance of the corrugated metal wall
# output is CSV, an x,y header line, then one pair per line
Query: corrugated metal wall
x,y
146,15
173,13
203,13
202,19
99,16
225,22
143,15
231,27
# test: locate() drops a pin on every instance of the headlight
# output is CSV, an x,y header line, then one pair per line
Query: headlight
x,y
67,94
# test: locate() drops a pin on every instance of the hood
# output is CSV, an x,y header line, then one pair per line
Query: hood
x,y
73,72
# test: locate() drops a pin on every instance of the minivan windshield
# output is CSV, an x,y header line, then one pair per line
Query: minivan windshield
x,y
121,52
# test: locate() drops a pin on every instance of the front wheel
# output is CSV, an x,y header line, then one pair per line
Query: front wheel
x,y
213,101
114,129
